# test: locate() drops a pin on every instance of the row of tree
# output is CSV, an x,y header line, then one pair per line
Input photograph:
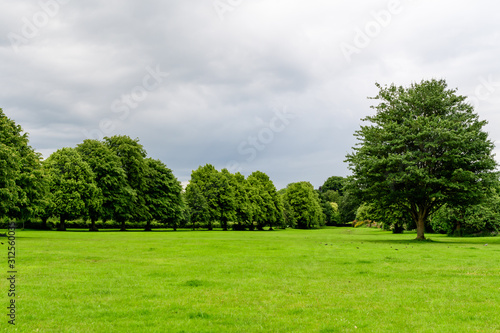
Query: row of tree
x,y
424,162
114,180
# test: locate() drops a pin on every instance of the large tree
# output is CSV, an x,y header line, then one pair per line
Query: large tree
x,y
162,194
303,206
11,138
132,155
218,193
110,177
243,207
22,182
425,147
197,206
265,202
333,183
72,185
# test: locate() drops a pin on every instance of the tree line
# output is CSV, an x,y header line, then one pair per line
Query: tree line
x,y
115,180
424,162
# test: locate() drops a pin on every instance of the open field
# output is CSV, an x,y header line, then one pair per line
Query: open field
x,y
329,280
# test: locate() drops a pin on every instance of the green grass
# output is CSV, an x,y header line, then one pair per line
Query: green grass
x,y
330,280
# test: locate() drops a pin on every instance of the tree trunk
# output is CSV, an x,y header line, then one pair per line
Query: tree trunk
x,y
62,225
123,228
420,227
92,225
398,229
458,228
148,226
44,223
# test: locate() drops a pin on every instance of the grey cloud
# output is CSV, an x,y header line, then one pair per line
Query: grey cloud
x,y
226,77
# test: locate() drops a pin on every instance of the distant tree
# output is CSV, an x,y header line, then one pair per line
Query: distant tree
x,y
243,206
32,186
11,138
335,219
132,155
22,183
392,218
72,185
205,180
8,172
216,187
330,211
482,218
110,177
348,206
303,206
226,198
331,196
46,204
162,194
265,202
334,183
426,148
197,206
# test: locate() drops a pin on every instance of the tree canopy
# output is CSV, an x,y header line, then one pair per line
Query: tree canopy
x,y
303,206
72,184
131,154
425,147
22,182
162,194
110,177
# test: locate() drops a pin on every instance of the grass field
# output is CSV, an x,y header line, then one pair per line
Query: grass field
x,y
329,280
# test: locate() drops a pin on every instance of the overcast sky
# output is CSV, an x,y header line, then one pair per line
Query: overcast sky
x,y
276,86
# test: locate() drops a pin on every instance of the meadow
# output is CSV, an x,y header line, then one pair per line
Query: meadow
x,y
324,280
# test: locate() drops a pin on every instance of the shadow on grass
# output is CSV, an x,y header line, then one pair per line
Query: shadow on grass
x,y
75,230
441,240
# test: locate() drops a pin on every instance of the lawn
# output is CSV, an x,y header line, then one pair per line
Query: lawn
x,y
328,280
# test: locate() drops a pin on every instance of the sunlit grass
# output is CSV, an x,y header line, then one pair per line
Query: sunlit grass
x,y
330,280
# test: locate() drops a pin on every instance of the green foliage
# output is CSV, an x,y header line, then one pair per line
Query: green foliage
x,y
391,218
22,182
72,185
334,183
110,177
479,219
197,206
348,205
218,194
243,206
10,139
132,157
426,147
266,204
329,204
331,196
365,212
162,194
303,206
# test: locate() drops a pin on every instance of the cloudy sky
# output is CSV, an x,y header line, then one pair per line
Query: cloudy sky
x,y
277,86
